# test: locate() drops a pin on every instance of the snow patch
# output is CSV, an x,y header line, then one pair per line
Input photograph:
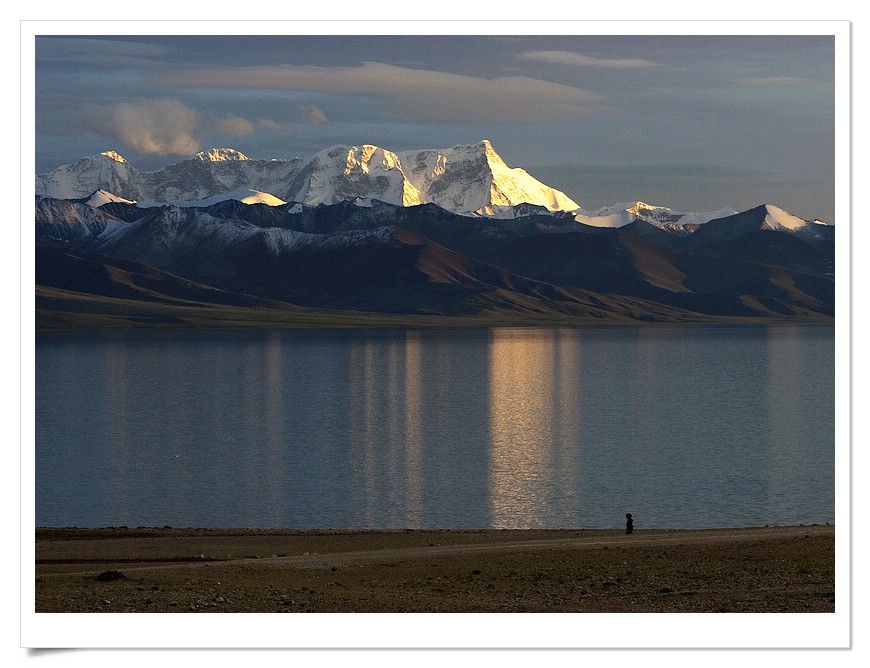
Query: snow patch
x,y
440,165
779,219
243,195
281,240
617,219
101,197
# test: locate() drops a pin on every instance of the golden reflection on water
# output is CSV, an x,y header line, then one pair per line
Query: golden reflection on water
x,y
267,369
413,399
363,407
531,400
385,389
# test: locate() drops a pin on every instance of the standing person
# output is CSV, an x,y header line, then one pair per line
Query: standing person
x,y
629,523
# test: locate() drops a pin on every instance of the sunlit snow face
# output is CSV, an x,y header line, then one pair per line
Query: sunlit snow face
x,y
463,179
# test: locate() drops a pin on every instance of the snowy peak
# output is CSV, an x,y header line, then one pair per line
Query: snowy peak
x,y
641,208
625,213
728,221
770,217
492,157
468,179
779,219
113,155
765,218
107,171
101,197
473,178
340,173
220,155
368,156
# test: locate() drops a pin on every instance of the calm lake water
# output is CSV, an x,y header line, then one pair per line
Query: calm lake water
x,y
509,428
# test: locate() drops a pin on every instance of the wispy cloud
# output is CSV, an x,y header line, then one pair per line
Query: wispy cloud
x,y
313,115
775,81
269,124
159,127
100,53
575,59
416,94
234,125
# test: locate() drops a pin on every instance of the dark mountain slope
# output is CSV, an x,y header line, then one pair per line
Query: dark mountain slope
x,y
426,260
89,273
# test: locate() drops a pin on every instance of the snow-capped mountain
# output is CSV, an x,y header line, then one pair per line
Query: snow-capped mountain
x,y
781,220
207,174
765,217
619,215
466,179
243,195
474,179
342,173
220,155
101,197
107,171
470,180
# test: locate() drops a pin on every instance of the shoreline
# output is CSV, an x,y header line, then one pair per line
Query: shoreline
x,y
61,311
415,323
756,569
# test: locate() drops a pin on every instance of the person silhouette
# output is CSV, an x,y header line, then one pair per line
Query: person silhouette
x,y
629,523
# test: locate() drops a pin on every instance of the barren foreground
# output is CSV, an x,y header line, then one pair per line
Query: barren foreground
x,y
769,569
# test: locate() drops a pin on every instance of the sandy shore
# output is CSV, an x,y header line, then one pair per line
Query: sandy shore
x,y
765,569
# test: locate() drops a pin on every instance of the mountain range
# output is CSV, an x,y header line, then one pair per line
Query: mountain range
x,y
363,235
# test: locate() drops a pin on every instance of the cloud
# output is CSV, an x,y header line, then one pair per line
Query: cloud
x,y
313,115
237,126
268,124
234,125
581,60
159,127
413,94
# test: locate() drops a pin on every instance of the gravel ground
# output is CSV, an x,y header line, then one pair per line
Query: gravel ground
x,y
765,569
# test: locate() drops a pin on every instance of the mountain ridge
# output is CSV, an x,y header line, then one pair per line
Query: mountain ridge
x,y
470,179
464,179
355,233
426,261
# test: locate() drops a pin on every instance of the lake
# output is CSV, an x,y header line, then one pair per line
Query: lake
x,y
683,426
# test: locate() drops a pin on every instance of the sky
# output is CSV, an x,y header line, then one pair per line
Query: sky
x,y
695,122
